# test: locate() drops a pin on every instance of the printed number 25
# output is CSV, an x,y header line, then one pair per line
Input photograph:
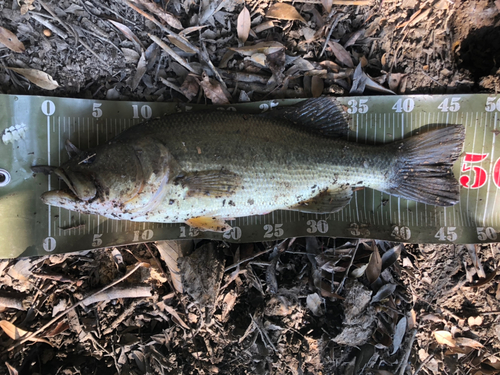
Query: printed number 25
x,y
480,175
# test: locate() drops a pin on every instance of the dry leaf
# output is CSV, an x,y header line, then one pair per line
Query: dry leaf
x,y
190,87
445,338
139,73
327,4
475,321
399,334
384,292
317,86
169,18
358,272
284,12
341,54
9,40
262,47
12,370
39,78
243,25
394,80
374,265
12,331
129,35
464,341
213,90
276,62
314,303
412,320
179,43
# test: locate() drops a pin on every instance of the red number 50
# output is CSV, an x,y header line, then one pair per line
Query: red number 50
x,y
480,175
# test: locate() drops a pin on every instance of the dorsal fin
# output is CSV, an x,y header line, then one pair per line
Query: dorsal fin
x,y
324,115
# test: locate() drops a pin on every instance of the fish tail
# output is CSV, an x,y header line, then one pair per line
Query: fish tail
x,y
424,170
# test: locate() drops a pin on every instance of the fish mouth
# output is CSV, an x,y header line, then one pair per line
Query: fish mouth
x,y
79,187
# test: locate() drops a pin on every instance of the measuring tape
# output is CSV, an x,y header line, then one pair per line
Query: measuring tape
x,y
34,130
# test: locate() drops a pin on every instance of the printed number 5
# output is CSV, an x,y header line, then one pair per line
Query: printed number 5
x,y
96,110
97,241
480,174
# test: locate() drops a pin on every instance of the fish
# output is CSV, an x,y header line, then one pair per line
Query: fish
x,y
207,168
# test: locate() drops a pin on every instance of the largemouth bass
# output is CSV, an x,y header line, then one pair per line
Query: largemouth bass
x,y
204,168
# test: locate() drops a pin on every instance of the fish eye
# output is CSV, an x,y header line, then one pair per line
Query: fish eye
x,y
89,159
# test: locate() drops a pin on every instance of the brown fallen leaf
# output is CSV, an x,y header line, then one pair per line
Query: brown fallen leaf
x,y
341,54
169,18
284,12
327,4
129,35
190,87
213,90
262,47
134,81
16,333
9,40
464,341
374,265
317,86
276,62
445,338
39,78
475,321
12,369
243,24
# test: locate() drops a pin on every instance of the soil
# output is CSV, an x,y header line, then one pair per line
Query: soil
x,y
300,306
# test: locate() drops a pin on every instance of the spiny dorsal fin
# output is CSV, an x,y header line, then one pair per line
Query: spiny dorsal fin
x,y
324,115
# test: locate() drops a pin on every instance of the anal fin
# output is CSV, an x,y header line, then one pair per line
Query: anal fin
x,y
207,223
328,201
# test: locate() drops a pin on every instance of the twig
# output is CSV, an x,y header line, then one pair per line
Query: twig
x,y
339,289
404,361
427,360
247,259
172,53
79,303
335,21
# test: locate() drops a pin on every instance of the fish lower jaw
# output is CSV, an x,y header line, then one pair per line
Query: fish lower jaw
x,y
59,198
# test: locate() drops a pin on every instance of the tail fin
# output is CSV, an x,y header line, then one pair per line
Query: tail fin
x,y
423,171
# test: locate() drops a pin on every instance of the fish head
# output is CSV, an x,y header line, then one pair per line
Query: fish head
x,y
114,180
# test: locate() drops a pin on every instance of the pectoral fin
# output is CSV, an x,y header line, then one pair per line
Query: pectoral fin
x,y
212,224
326,202
212,183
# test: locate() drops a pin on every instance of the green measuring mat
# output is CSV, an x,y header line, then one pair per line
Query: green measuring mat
x,y
34,130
